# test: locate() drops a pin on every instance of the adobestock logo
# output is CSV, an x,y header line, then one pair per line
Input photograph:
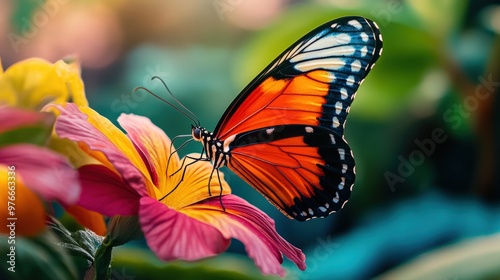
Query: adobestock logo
x,y
459,112
223,7
454,117
384,16
406,167
321,253
131,100
30,26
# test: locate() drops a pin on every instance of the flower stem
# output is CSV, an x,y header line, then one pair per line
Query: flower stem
x,y
102,260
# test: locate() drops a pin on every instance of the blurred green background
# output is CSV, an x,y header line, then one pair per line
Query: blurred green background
x,y
423,128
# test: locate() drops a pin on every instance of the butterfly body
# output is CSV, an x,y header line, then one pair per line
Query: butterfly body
x,y
283,134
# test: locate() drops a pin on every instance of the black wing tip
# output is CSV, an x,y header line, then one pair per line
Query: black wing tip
x,y
318,206
335,186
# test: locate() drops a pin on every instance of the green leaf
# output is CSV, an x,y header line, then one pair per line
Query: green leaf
x,y
82,243
408,55
123,229
103,260
268,44
133,263
39,257
36,134
431,14
90,251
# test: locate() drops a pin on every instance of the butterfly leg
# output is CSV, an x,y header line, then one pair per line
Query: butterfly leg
x,y
220,184
195,160
210,180
177,150
184,172
220,194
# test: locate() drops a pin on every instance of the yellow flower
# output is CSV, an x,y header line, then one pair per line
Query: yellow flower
x,y
34,83
26,87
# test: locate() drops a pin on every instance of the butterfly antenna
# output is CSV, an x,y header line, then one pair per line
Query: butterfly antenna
x,y
176,100
177,137
194,120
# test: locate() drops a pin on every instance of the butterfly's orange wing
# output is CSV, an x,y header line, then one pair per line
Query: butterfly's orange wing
x,y
303,175
286,127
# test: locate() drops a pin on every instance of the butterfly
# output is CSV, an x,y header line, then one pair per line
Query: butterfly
x,y
284,133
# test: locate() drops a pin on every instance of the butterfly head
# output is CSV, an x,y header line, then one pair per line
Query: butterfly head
x,y
196,132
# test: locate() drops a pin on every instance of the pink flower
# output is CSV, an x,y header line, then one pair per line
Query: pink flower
x,y
29,173
130,176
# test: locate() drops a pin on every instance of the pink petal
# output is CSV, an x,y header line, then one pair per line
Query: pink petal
x,y
154,145
11,118
72,124
105,192
173,235
43,171
253,228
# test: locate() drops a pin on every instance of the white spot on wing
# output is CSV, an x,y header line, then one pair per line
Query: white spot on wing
x,y
341,153
364,37
343,93
356,65
350,80
380,51
332,138
309,129
329,41
364,51
327,205
329,64
283,58
336,122
331,76
324,53
334,25
355,23
341,184
270,131
294,50
344,50
322,209
344,168
338,107
380,37
310,211
336,199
